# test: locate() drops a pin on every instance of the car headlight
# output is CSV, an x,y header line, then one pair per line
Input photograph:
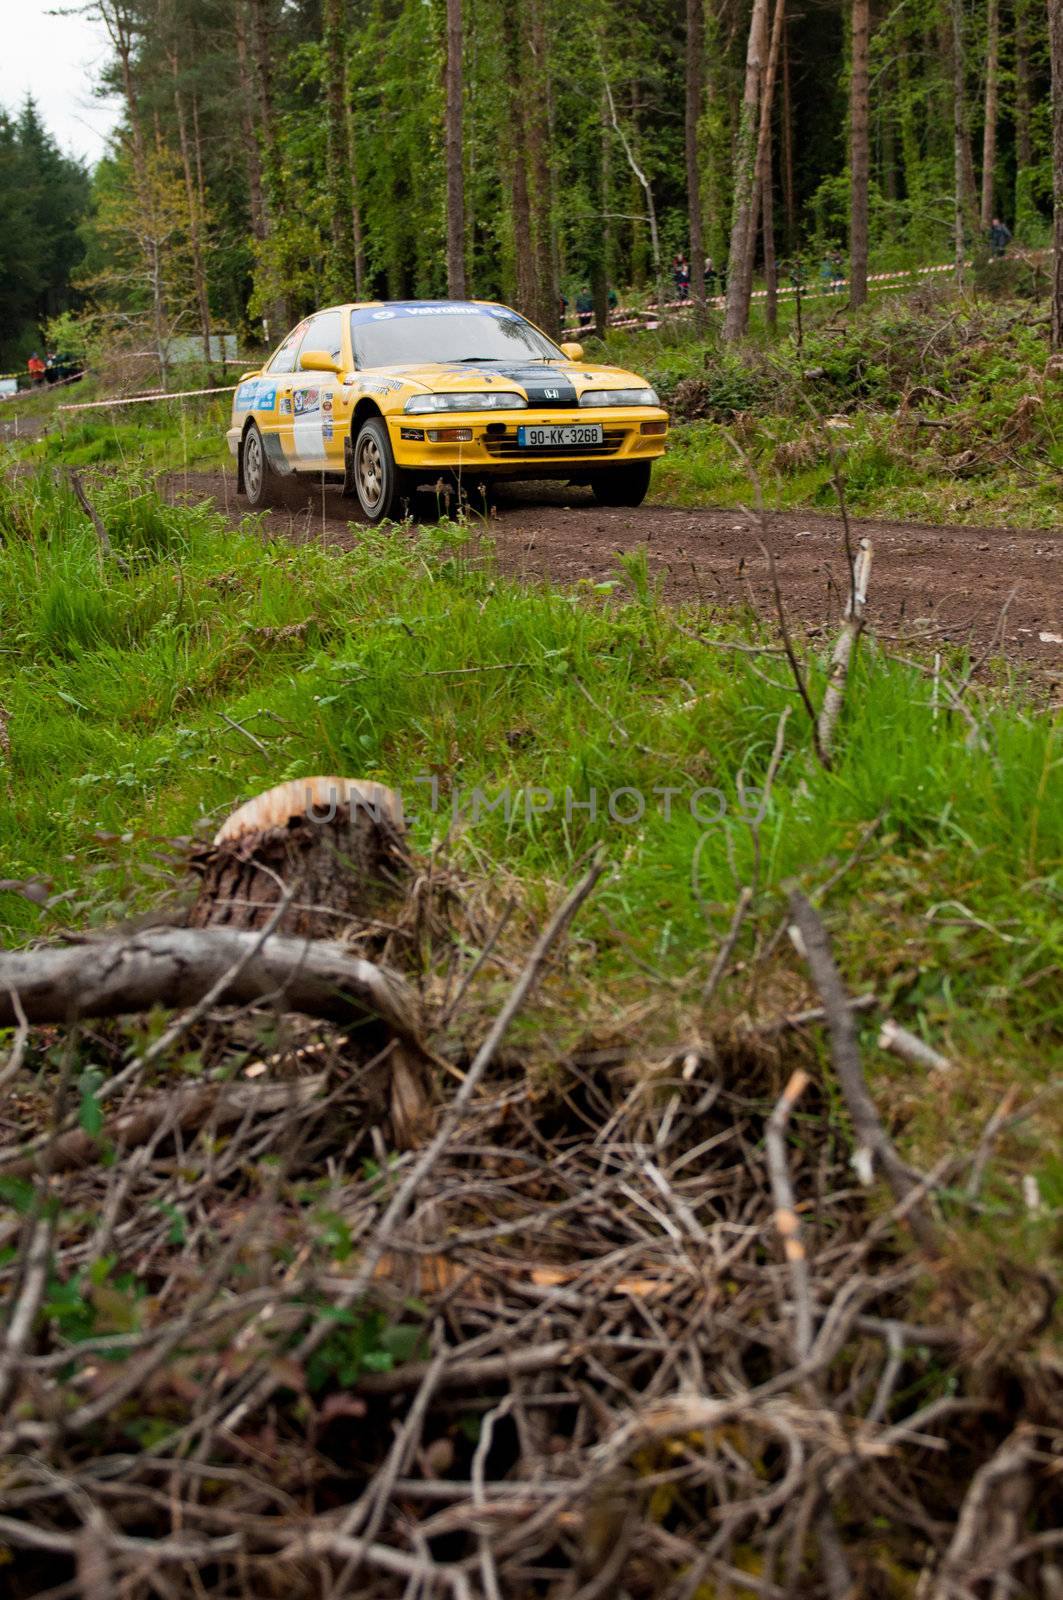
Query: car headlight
x,y
619,397
476,400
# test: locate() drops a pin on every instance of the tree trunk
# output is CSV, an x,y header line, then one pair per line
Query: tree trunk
x,y
1024,94
337,154
455,156
960,149
266,131
740,258
767,226
858,156
547,291
195,235
357,233
602,256
695,72
333,846
1055,35
740,276
989,132
520,204
252,153
911,156
788,144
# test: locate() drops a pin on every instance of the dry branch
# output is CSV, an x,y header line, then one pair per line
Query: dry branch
x,y
97,521
845,1052
177,966
842,654
184,1111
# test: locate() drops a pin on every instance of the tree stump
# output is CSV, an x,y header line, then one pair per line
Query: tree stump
x,y
334,844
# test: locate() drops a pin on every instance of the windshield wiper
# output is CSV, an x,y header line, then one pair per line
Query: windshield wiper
x,y
481,358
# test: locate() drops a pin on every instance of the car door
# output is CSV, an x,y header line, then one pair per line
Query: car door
x,y
273,403
314,440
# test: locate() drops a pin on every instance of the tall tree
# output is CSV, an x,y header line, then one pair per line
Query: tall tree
x,y
547,288
695,73
517,165
193,192
743,214
341,263
455,155
740,267
1055,36
989,130
960,148
1024,98
859,155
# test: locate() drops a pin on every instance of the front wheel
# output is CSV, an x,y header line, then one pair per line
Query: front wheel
x,y
379,484
622,486
256,477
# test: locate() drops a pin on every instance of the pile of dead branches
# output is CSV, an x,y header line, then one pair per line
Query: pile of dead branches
x,y
629,1328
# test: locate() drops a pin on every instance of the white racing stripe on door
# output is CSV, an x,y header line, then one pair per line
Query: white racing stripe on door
x,y
307,438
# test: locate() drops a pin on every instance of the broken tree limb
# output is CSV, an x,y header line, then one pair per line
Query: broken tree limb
x,y
911,1048
185,1111
177,966
844,646
845,1053
106,547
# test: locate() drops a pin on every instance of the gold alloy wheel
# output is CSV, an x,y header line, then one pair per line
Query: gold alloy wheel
x,y
253,464
370,470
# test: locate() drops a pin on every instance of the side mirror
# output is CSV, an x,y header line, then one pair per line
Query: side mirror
x,y
574,352
318,361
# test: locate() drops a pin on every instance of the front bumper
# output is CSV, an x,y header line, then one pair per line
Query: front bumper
x,y
232,439
494,448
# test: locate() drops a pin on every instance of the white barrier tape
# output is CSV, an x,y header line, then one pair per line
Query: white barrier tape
x,y
146,399
628,317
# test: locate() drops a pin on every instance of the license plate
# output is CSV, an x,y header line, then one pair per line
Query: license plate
x,y
572,434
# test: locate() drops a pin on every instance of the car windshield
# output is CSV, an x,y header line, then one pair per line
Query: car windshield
x,y
402,334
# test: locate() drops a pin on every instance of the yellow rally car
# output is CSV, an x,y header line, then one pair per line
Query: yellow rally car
x,y
392,395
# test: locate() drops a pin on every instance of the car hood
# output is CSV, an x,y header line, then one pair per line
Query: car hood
x,y
544,383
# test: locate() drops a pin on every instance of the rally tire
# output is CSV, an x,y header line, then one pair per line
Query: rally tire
x,y
256,476
622,486
381,486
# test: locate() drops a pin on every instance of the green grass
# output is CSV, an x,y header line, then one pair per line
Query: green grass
x,y
160,436
409,658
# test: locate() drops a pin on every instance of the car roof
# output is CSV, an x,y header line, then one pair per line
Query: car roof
x,y
409,300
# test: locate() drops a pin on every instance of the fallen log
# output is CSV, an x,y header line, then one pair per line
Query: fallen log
x,y
175,967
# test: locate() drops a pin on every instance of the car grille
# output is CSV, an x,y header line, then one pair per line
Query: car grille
x,y
504,447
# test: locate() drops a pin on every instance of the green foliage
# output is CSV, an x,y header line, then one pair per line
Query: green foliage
x,y
362,1341
978,372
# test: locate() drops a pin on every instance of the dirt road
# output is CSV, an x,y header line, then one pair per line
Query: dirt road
x,y
950,583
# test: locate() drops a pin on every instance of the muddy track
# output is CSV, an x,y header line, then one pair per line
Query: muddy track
x,y
952,584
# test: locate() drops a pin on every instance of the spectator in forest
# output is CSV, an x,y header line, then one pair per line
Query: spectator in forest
x,y
999,238
681,276
584,307
35,367
710,275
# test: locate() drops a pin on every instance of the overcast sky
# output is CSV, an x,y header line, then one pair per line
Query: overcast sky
x,y
57,60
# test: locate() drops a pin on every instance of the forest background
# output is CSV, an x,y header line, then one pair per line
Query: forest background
x,y
275,155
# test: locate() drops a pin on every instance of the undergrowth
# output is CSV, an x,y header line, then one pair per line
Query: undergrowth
x,y
946,409
524,726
